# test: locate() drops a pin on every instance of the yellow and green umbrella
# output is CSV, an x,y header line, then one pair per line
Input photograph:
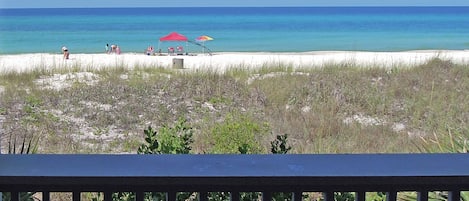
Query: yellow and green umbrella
x,y
202,39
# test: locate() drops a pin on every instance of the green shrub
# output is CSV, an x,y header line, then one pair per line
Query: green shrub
x,y
177,139
376,196
237,132
279,145
344,196
169,140
24,196
152,142
434,196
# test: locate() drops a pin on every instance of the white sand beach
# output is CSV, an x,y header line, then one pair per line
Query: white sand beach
x,y
222,61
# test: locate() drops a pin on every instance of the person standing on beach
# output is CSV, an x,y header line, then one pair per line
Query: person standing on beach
x,y
113,48
149,50
106,48
65,52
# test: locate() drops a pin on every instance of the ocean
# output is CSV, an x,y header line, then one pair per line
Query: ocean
x,y
279,29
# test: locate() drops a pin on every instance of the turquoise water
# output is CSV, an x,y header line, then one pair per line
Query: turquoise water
x,y
236,29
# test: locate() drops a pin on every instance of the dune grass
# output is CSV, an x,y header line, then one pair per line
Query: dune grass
x,y
338,108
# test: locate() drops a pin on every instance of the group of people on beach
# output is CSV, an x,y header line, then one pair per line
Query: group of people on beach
x,y
113,49
180,51
151,51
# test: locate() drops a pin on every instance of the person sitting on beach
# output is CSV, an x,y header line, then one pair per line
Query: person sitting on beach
x,y
65,52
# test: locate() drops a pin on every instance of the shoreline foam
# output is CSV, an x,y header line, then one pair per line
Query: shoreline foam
x,y
221,61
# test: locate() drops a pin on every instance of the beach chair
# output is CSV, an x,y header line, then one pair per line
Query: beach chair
x,y
180,50
170,50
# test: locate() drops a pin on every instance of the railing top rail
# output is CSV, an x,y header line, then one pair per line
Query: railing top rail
x,y
218,172
221,165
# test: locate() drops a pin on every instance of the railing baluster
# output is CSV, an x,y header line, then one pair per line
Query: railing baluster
x,y
203,196
45,196
360,196
297,196
107,196
234,196
391,196
171,196
422,196
76,195
139,196
328,196
266,196
454,195
15,196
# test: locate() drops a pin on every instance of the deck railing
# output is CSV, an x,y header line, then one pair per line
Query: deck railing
x,y
325,173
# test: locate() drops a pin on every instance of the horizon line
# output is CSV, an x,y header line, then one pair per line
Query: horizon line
x,y
253,6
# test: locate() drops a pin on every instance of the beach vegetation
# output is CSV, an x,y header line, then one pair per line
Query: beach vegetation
x,y
338,108
238,73
168,140
273,67
237,132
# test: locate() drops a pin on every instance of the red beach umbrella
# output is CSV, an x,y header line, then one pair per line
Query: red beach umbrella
x,y
174,36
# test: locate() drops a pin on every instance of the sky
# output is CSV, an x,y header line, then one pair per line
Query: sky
x,y
220,3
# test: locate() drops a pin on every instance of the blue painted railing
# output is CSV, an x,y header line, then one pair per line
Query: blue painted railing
x,y
326,173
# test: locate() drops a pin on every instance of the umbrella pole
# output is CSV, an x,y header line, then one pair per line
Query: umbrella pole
x,y
159,47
